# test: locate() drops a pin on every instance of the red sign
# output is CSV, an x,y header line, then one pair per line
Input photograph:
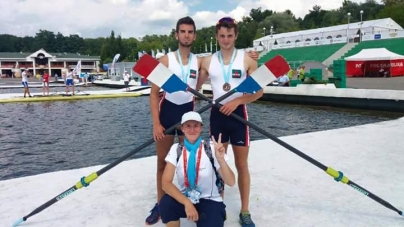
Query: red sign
x,y
360,68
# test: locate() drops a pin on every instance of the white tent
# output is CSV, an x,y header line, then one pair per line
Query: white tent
x,y
374,54
343,30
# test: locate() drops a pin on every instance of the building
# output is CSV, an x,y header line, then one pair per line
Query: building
x,y
41,60
350,32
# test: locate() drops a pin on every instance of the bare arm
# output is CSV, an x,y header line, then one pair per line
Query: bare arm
x,y
169,187
158,129
155,96
224,169
251,65
226,173
203,72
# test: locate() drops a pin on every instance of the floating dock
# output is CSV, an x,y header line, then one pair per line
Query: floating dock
x,y
285,189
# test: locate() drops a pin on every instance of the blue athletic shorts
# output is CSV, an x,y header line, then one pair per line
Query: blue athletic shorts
x,y
232,130
25,83
211,213
69,82
171,114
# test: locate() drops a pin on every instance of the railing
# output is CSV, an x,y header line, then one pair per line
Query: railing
x,y
7,65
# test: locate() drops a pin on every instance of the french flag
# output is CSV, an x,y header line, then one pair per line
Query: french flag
x,y
159,74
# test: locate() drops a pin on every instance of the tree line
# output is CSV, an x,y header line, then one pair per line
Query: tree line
x,y
256,25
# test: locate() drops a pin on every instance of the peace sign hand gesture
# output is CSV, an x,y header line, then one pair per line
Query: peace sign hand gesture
x,y
220,151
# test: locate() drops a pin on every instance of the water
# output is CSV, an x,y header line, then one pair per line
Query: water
x,y
45,137
51,90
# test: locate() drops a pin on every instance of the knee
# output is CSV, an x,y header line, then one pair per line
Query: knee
x,y
161,163
242,166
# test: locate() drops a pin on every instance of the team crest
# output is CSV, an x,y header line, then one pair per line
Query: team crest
x,y
192,74
236,73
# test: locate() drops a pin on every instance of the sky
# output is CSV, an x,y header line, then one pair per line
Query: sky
x,y
132,18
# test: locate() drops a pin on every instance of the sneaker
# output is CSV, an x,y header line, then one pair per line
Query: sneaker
x,y
245,219
154,216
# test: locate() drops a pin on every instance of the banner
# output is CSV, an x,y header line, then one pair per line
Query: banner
x,y
375,68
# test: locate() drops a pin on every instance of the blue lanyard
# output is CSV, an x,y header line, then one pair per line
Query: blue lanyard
x,y
184,75
227,74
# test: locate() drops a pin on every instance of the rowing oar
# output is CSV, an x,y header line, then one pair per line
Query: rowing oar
x,y
166,75
257,79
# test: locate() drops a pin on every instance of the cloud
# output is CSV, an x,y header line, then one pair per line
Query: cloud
x,y
130,18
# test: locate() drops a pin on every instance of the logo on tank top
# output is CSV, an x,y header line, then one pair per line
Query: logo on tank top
x,y
192,74
236,73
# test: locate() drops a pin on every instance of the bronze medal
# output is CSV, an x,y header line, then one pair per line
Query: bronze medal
x,y
226,87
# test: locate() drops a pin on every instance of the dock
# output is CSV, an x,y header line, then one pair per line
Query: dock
x,y
286,190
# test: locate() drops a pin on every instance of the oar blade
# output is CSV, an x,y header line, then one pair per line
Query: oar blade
x,y
18,222
264,75
158,74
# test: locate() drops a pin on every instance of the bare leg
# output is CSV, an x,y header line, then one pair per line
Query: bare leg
x,y
173,224
162,148
241,156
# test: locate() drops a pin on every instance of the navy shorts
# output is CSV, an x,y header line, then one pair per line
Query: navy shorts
x,y
171,114
69,82
232,130
24,83
211,213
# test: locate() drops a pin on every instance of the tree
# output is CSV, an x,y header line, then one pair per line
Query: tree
x,y
314,19
258,15
45,39
281,22
395,12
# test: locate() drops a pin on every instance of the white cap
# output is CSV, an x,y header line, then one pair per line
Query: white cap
x,y
191,116
159,55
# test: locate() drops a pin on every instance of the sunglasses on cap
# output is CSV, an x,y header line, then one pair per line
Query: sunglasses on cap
x,y
227,20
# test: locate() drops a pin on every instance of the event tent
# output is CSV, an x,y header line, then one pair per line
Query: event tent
x,y
375,61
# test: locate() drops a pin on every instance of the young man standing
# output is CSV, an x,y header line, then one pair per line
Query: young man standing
x,y
227,68
24,81
126,80
168,111
69,81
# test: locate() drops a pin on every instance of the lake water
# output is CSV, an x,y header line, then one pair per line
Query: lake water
x,y
51,136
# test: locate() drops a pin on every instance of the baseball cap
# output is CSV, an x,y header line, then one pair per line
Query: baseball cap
x,y
191,116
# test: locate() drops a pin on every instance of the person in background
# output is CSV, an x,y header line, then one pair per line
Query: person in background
x,y
283,81
45,83
69,82
290,73
24,81
126,80
301,73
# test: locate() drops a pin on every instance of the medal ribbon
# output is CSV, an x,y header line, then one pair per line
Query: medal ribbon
x,y
198,163
184,75
226,75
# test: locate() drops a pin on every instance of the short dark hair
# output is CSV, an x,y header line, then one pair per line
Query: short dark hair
x,y
227,22
185,20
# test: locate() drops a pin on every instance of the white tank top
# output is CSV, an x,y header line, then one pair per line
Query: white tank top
x,y
191,77
217,76
69,75
24,77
